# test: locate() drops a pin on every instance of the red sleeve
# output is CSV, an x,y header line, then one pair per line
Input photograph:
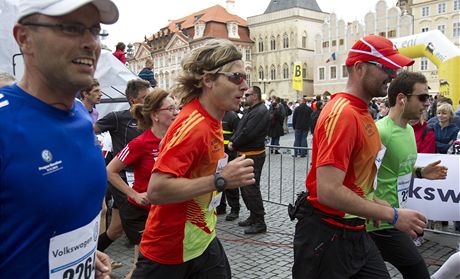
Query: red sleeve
x,y
429,143
178,155
337,137
131,152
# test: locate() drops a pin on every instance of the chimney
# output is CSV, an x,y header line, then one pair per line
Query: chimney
x,y
230,6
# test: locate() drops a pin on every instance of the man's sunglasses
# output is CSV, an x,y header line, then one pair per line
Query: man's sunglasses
x,y
235,77
422,97
392,73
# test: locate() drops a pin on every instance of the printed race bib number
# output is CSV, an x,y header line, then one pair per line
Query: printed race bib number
x,y
403,189
84,270
216,197
378,162
72,255
215,201
130,178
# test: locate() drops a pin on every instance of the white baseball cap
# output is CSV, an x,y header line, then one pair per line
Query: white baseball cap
x,y
107,9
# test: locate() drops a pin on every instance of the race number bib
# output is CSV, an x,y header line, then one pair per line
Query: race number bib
x,y
378,162
403,189
130,178
216,197
72,255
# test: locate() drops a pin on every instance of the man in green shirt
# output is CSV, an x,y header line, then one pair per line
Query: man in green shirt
x,y
408,98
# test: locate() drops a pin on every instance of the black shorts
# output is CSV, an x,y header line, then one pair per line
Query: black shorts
x,y
133,220
323,250
398,249
119,198
213,263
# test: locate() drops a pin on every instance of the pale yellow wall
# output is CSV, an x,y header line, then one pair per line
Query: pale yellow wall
x,y
295,22
383,19
432,21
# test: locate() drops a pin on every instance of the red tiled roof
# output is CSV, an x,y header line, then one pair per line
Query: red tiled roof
x,y
219,30
215,17
214,13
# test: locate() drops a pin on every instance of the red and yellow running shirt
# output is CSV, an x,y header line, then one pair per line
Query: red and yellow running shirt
x,y
176,233
345,138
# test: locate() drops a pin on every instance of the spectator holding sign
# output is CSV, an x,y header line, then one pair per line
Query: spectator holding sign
x,y
408,98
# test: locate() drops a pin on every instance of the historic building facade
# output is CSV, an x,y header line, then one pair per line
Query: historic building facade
x,y
136,56
284,35
337,37
442,15
171,43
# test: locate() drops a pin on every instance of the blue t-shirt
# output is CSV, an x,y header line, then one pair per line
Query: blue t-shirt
x,y
52,182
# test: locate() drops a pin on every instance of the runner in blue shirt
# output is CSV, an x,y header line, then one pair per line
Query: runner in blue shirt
x,y
52,173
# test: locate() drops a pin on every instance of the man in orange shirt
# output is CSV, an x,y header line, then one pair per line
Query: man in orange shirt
x,y
191,171
330,238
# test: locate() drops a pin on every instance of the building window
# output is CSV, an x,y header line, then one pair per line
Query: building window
x,y
261,73
425,11
304,42
423,64
334,43
341,42
326,44
304,71
285,41
166,80
285,71
344,71
321,75
424,29
272,43
261,45
248,79
272,72
456,29
248,54
383,34
441,8
333,72
442,28
456,5
391,33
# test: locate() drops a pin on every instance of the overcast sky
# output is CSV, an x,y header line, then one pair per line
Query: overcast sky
x,y
145,17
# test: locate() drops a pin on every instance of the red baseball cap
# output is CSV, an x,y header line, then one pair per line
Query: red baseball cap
x,y
379,49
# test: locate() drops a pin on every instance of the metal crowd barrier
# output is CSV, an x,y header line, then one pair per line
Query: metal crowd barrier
x,y
283,176
276,169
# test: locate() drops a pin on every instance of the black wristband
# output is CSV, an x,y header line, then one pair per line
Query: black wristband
x,y
418,172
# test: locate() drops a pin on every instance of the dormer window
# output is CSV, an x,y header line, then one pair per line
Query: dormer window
x,y
232,29
199,29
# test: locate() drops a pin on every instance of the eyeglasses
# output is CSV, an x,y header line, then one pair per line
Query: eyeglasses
x,y
392,73
70,29
248,94
422,97
235,77
170,108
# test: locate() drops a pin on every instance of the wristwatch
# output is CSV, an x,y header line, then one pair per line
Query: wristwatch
x,y
219,182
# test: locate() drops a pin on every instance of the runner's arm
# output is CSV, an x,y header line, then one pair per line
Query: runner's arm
x,y
166,188
333,193
432,171
113,170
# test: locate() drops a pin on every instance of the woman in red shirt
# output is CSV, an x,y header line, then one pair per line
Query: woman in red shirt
x,y
424,135
154,116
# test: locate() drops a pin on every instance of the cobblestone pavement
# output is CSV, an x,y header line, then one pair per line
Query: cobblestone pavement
x,y
270,255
